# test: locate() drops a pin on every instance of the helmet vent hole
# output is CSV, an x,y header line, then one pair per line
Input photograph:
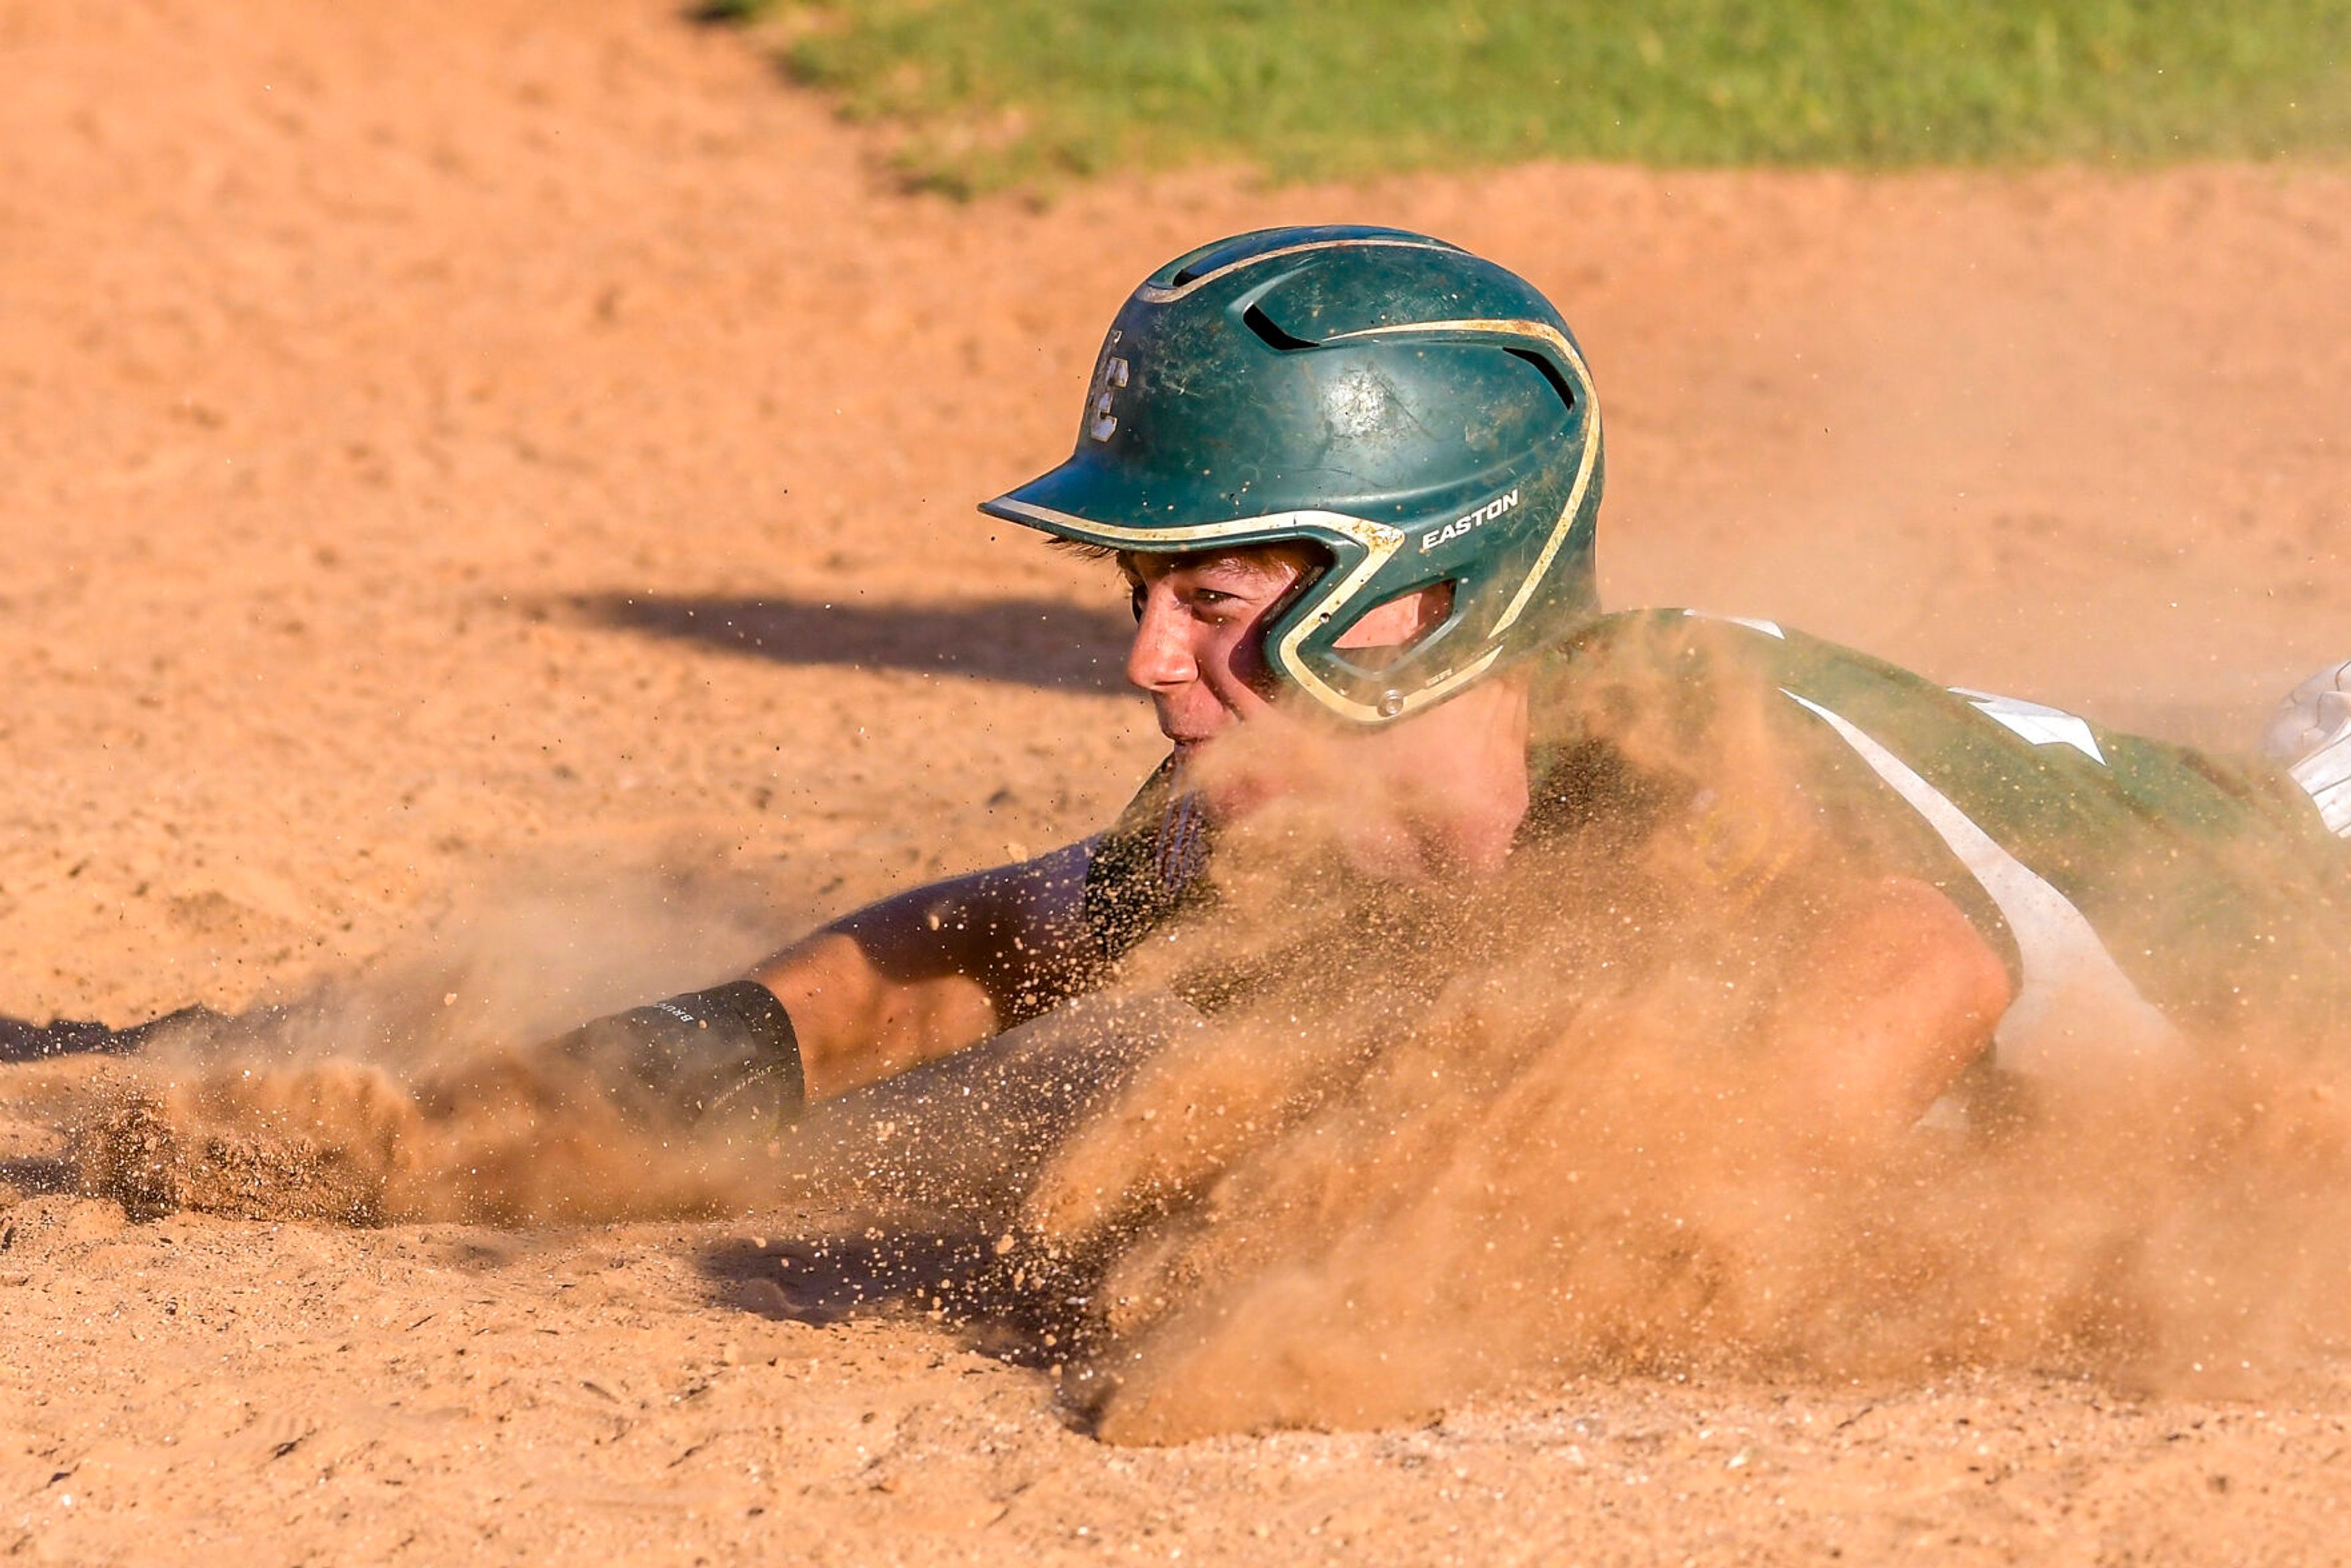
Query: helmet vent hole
x,y
1551,373
1265,327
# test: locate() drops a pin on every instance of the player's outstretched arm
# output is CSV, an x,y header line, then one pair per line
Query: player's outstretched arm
x,y
890,985
934,969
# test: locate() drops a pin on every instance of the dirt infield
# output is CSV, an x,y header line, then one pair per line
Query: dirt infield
x,y
486,508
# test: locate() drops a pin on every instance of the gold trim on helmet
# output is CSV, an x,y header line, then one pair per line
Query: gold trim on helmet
x,y
1162,293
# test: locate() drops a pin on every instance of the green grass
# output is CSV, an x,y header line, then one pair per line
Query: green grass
x,y
997,93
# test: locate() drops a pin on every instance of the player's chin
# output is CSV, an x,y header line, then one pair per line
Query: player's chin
x,y
1190,757
1194,769
1222,780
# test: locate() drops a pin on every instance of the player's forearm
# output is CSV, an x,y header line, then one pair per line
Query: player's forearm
x,y
933,969
858,1021
888,986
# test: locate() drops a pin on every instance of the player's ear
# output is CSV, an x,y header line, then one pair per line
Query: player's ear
x,y
1392,627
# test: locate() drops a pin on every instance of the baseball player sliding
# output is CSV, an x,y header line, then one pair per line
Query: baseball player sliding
x,y
1352,478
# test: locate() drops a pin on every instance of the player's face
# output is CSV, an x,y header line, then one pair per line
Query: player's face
x,y
1199,651
1199,648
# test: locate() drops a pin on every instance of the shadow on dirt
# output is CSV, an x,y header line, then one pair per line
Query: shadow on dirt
x,y
39,1176
21,1039
895,1272
1027,642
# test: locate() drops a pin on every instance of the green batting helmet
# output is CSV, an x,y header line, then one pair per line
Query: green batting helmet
x,y
1420,412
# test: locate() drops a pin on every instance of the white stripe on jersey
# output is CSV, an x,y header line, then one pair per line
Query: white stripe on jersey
x,y
2076,1011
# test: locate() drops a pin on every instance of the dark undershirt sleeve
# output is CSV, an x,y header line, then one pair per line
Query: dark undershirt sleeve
x,y
1147,867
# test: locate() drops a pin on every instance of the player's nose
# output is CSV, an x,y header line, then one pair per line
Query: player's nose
x,y
1160,658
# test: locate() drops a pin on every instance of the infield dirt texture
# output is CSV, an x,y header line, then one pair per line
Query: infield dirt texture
x,y
485,507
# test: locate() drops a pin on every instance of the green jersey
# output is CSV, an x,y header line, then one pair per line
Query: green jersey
x,y
2138,891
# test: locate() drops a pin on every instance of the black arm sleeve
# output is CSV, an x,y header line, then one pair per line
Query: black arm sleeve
x,y
724,1051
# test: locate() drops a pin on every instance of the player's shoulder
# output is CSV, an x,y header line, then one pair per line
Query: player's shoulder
x,y
2006,756
1682,636
1701,664
1697,659
1707,639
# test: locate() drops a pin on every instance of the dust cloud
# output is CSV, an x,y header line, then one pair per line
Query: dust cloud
x,y
1433,1144
1345,1150
1581,1154
422,1090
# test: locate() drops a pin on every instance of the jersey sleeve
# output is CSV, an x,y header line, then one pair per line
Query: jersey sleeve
x,y
1148,867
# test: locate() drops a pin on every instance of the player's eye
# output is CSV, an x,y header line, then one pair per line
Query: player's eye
x,y
1134,595
1204,602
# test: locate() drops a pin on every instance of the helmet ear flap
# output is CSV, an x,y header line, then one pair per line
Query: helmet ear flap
x,y
1279,614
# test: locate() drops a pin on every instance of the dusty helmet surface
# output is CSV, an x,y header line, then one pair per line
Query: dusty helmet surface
x,y
1417,412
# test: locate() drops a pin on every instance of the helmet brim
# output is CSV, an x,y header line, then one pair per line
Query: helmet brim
x,y
1076,501
1067,503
